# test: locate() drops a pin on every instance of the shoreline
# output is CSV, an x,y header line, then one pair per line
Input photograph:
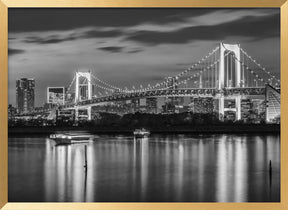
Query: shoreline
x,y
196,129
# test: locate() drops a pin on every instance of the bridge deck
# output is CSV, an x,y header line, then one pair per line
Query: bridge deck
x,y
201,92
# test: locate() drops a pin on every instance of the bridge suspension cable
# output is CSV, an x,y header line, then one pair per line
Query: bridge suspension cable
x,y
105,83
69,87
250,70
156,86
196,74
102,87
261,67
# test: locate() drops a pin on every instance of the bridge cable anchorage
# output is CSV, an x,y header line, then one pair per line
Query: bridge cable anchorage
x,y
182,73
196,74
259,65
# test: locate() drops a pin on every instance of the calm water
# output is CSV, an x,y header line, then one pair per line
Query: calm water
x,y
208,168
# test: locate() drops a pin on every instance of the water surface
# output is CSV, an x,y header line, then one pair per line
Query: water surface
x,y
184,168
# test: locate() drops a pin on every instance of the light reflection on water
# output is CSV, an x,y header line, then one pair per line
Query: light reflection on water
x,y
212,168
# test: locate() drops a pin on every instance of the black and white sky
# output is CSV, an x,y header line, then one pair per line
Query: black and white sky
x,y
129,47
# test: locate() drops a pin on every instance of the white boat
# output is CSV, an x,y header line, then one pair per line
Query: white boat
x,y
140,133
64,138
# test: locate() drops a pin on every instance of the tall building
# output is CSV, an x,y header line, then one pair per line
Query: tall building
x,y
25,95
151,104
246,106
56,95
135,105
203,105
11,111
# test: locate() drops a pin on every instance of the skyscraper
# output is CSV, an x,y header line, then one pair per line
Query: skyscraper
x,y
25,95
56,95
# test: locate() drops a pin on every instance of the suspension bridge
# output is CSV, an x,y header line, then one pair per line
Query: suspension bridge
x,y
226,72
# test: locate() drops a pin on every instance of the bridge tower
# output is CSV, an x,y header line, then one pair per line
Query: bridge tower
x,y
234,50
83,90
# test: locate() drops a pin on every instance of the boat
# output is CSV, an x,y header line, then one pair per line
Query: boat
x,y
141,133
68,138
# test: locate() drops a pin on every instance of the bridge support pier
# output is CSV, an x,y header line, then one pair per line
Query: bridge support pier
x,y
89,113
221,108
76,114
238,107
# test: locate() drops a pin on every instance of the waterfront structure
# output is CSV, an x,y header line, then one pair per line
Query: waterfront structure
x,y
25,95
11,111
272,105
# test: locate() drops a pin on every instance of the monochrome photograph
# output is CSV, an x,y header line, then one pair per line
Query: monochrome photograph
x,y
144,105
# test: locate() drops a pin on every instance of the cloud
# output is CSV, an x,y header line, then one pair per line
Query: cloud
x,y
112,49
23,20
53,39
137,50
15,51
58,38
101,34
249,26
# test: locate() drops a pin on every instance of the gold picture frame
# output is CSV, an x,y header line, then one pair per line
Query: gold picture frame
x,y
5,4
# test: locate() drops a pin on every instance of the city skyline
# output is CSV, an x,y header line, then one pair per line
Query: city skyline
x,y
128,47
181,102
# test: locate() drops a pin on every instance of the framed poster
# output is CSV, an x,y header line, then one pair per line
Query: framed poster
x,y
143,105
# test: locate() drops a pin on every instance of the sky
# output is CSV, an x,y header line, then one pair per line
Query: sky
x,y
129,47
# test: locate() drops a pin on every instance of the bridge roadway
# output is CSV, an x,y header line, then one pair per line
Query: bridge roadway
x,y
192,92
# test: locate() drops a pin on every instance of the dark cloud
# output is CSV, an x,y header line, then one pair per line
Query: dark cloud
x,y
101,34
112,49
23,20
48,40
249,26
15,51
135,50
53,39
